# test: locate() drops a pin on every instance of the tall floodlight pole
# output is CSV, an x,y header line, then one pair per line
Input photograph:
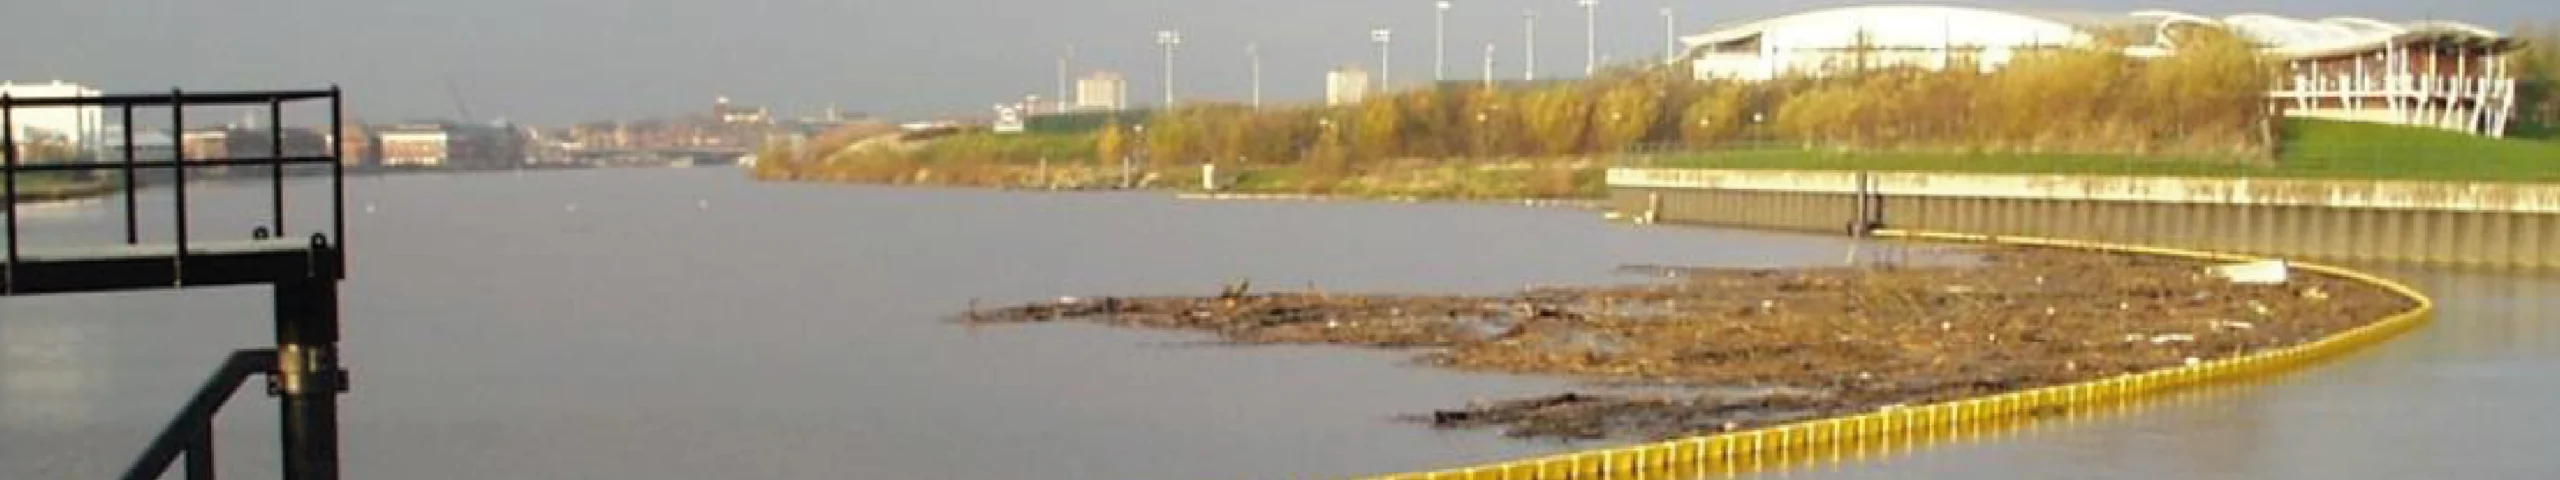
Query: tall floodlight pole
x,y
1386,69
1590,36
1253,52
1488,65
1670,36
1062,75
1168,39
1529,45
1440,41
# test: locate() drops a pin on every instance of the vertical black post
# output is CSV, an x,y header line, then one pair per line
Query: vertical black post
x,y
337,172
275,153
178,174
200,452
1858,212
132,226
1872,203
9,169
307,377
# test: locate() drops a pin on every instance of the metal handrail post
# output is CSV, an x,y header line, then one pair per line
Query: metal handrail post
x,y
197,416
132,225
9,169
275,149
337,173
178,182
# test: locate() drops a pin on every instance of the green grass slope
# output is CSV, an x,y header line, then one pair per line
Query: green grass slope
x,y
2309,149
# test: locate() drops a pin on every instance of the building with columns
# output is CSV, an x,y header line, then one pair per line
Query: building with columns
x,y
2436,74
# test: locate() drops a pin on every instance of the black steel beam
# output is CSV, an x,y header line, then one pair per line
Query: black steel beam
x,y
39,276
187,98
157,164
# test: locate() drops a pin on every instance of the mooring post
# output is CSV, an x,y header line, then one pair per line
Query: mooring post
x,y
307,379
1652,208
1863,213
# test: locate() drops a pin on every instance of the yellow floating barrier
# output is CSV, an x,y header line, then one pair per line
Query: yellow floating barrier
x,y
1774,444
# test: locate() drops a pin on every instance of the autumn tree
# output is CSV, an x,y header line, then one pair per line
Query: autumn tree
x,y
1379,131
1820,116
2537,70
1111,145
1715,117
1328,161
1175,138
2053,99
1493,124
2212,87
1556,119
1626,112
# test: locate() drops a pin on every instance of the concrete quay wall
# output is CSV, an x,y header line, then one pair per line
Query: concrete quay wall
x,y
2473,224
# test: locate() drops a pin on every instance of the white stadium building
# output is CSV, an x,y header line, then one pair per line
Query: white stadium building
x,y
2440,74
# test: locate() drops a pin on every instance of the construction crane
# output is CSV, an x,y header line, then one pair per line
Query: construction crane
x,y
459,108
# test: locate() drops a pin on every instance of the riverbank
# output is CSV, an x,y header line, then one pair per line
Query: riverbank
x,y
1723,350
46,188
1408,180
2308,149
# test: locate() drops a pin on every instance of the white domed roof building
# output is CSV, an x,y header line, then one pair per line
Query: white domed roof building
x,y
2441,74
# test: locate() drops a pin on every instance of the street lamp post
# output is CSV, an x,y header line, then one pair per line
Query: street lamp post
x,y
1529,45
1670,36
1386,70
1488,65
1440,41
1590,36
1062,76
1253,51
1168,39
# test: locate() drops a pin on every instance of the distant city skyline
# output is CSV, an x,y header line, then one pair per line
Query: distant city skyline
x,y
566,61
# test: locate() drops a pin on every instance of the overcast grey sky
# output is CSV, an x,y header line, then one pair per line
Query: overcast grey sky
x,y
552,61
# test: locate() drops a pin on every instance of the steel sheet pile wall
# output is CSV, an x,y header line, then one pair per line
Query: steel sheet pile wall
x,y
2499,225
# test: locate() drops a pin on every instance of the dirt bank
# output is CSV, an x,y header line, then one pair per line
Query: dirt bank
x,y
1746,348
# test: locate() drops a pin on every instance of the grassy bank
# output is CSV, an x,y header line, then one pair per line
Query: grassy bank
x,y
49,186
1436,180
2309,149
1066,161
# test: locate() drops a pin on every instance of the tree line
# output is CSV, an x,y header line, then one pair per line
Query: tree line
x,y
2537,69
2208,99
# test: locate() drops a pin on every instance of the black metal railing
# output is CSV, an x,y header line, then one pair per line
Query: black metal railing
x,y
178,165
302,369
190,436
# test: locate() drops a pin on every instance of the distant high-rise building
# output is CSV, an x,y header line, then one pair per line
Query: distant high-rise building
x,y
1346,85
1102,91
739,114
